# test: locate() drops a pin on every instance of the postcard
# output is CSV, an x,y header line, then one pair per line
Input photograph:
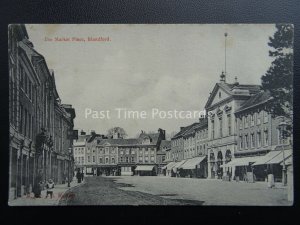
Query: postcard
x,y
150,114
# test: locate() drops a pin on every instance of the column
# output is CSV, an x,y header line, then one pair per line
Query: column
x,y
209,168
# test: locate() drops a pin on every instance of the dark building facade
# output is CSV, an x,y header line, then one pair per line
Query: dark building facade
x,y
35,143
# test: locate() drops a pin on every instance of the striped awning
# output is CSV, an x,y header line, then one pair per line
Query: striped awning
x,y
144,168
273,157
192,163
243,161
170,165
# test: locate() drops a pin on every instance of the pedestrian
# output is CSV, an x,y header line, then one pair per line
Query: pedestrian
x,y
38,185
49,186
82,176
78,176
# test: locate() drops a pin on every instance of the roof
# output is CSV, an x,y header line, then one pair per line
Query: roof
x,y
165,143
257,99
234,90
119,141
182,131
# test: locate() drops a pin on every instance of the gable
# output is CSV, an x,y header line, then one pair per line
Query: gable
x,y
218,94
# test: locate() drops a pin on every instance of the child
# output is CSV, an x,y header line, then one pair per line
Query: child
x,y
50,186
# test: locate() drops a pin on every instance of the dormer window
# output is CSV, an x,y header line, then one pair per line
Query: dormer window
x,y
220,94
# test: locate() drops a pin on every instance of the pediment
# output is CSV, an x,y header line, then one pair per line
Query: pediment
x,y
218,94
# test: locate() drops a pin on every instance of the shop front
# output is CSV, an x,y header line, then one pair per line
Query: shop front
x,y
146,170
195,167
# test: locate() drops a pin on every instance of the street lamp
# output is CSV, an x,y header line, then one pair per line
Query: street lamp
x,y
70,151
282,127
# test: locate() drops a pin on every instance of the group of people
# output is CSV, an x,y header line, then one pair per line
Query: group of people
x,y
40,185
79,176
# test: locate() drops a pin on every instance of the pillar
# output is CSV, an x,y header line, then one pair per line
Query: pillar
x,y
209,168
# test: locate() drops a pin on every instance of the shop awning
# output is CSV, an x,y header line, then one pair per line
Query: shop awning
x,y
279,158
192,163
178,164
273,157
144,168
170,165
243,161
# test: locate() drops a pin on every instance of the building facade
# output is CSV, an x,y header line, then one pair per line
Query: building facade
x,y
32,106
224,100
118,156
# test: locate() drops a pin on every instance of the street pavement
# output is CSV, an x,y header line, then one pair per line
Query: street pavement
x,y
158,190
59,192
105,191
209,191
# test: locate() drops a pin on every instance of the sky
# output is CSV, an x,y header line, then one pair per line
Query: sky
x,y
147,67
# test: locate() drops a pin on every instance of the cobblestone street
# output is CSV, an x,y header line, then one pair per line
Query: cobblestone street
x,y
135,190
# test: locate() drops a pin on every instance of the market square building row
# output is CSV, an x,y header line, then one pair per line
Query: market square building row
x,y
240,140
40,126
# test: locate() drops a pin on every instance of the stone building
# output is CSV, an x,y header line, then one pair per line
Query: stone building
x,y
222,103
32,108
165,146
118,156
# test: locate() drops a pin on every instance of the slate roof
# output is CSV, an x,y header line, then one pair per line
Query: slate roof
x,y
165,144
258,99
183,131
253,88
130,141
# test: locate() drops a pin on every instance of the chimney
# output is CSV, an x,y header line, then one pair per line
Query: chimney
x,y
82,132
93,132
181,128
162,133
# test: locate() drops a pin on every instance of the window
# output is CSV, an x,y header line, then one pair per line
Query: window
x,y
266,134
132,159
113,160
251,120
163,158
140,159
141,152
146,152
132,151
82,160
229,123
121,159
113,151
146,159
106,160
127,150
246,121
93,158
241,142
266,117
258,139
213,129
127,159
220,94
152,151
252,140
258,118
121,152
246,141
100,160
106,150
152,158
221,127
89,158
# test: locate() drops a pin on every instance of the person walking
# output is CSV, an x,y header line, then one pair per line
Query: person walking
x,y
78,176
82,176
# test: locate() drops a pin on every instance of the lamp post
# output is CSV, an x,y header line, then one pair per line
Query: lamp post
x,y
282,126
70,151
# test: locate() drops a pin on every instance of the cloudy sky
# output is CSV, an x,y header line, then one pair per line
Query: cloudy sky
x,y
168,67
